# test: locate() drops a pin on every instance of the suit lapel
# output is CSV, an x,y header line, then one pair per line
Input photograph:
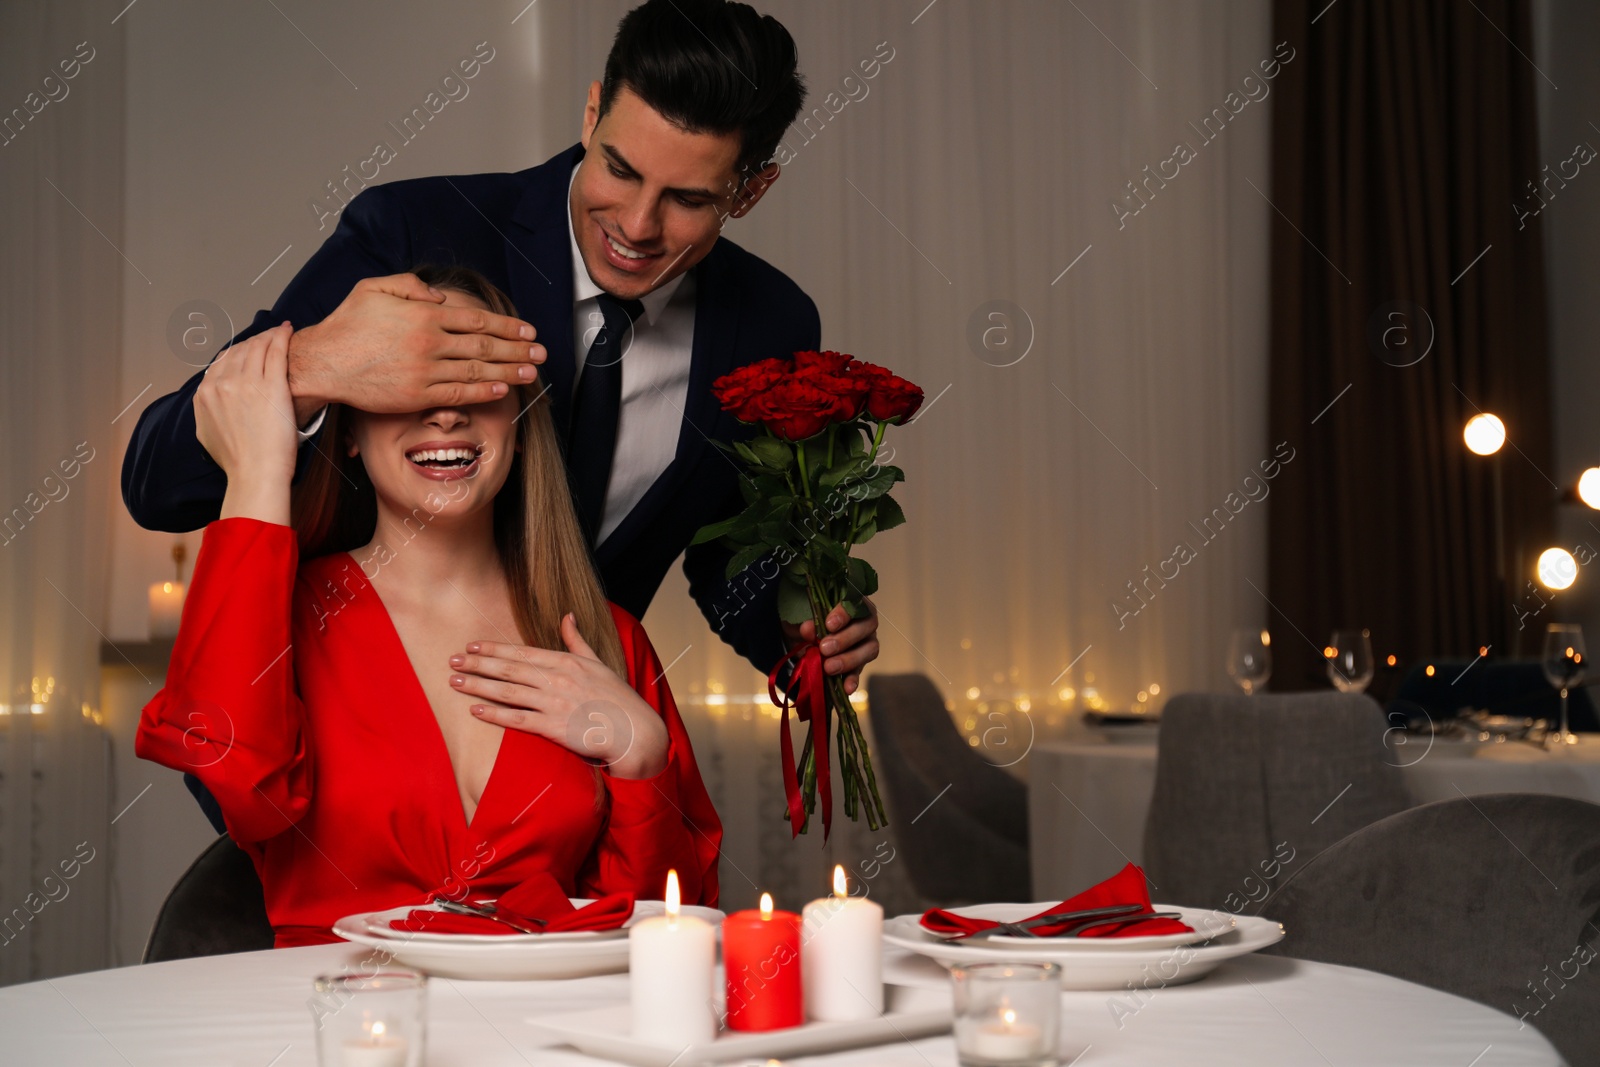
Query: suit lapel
x,y
539,262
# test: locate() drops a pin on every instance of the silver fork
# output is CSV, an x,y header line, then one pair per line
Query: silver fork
x,y
487,911
1024,927
1077,931
1076,921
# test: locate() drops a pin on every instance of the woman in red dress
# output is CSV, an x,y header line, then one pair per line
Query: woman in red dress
x,y
416,687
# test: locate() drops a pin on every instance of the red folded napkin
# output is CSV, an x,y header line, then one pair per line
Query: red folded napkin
x,y
539,897
1125,887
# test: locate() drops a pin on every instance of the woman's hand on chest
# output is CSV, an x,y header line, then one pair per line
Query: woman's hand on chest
x,y
570,697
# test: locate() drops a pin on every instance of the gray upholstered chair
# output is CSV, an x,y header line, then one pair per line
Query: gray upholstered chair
x,y
1250,787
217,907
971,843
1494,898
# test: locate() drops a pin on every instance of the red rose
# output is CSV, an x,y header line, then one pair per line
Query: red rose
x,y
737,389
831,362
834,373
794,409
890,398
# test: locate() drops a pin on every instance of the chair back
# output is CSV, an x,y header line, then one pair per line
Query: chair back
x,y
1493,898
1248,787
217,907
961,822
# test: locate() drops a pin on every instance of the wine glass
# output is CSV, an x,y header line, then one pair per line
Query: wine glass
x,y
1349,656
1564,666
1250,659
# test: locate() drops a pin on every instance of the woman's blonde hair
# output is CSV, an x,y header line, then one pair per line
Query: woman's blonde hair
x,y
541,546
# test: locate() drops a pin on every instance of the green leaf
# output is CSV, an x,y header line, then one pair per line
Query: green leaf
x,y
889,514
879,482
747,453
816,453
863,579
857,440
794,605
833,552
776,508
865,531
744,558
716,530
772,453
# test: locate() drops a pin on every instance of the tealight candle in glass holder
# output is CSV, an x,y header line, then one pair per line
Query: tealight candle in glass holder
x,y
376,1020
1007,1014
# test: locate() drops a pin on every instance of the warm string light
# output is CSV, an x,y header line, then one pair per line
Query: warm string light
x,y
1557,569
1484,434
1589,487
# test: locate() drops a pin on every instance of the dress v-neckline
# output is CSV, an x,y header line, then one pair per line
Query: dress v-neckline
x,y
420,698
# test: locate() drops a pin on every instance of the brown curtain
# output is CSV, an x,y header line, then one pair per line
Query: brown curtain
x,y
1404,142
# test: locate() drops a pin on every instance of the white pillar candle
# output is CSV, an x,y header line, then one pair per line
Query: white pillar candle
x,y
670,963
166,608
841,956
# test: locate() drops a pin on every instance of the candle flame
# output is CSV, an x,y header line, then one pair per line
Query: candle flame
x,y
1010,1017
674,898
166,587
840,889
377,1030
766,905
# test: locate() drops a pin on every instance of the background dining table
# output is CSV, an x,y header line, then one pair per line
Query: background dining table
x,y
1088,798
253,1010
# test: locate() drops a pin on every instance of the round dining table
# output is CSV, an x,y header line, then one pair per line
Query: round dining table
x,y
254,1010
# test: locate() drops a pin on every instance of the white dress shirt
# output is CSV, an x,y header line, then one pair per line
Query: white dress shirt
x,y
655,379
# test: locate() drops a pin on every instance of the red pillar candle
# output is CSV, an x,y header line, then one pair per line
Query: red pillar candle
x,y
761,954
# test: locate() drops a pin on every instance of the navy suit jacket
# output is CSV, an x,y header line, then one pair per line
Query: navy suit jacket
x,y
513,228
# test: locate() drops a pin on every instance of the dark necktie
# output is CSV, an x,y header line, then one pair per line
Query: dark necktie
x,y
592,439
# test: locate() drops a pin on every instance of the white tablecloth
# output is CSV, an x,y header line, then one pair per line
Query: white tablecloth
x,y
251,1010
1087,801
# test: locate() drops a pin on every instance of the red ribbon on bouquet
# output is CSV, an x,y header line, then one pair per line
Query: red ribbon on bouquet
x,y
810,704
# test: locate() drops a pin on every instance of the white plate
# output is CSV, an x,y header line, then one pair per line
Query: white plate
x,y
1108,968
508,957
1206,924
604,1034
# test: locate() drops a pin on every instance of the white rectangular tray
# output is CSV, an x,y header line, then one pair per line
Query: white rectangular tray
x,y
603,1032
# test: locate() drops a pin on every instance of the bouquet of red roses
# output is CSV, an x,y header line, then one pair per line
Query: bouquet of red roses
x,y
814,489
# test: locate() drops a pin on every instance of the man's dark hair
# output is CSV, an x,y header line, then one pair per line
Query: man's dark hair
x,y
709,66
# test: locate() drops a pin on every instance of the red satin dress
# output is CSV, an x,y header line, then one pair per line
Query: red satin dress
x,y
292,698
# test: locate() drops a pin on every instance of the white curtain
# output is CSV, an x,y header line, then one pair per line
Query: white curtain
x,y
982,160
60,299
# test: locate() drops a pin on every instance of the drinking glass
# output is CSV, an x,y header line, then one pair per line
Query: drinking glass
x,y
1349,656
1250,659
1007,1014
1564,667
371,1020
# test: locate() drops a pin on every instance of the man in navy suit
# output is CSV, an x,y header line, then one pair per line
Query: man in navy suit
x,y
678,137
